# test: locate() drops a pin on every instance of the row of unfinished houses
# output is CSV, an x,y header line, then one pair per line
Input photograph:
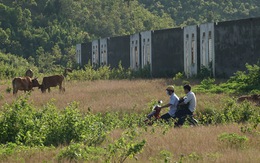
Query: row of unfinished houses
x,y
223,48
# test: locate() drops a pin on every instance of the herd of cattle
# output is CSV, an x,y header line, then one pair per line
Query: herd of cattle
x,y
28,82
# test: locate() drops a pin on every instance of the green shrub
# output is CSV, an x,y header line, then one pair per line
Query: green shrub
x,y
79,152
232,112
242,82
179,75
205,72
118,151
166,156
105,72
13,66
233,140
22,125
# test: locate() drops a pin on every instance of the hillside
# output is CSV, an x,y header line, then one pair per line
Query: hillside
x,y
46,31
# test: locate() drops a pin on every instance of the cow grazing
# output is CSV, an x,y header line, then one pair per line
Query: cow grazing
x,y
52,81
29,73
24,84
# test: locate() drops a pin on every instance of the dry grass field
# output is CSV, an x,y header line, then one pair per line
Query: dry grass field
x,y
191,144
110,95
197,144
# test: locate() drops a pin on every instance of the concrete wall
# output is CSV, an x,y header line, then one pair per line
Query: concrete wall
x,y
95,53
103,51
146,49
135,57
119,50
207,46
78,54
86,51
190,51
168,54
236,43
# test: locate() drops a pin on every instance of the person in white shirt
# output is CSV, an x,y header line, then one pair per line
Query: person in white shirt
x,y
190,100
174,100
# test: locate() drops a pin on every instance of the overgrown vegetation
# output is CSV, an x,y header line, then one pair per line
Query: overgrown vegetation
x,y
233,140
46,31
242,82
105,72
12,66
86,135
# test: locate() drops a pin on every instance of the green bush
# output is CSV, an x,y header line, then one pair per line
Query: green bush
x,y
21,124
178,76
230,113
242,82
118,151
13,66
105,72
205,72
233,140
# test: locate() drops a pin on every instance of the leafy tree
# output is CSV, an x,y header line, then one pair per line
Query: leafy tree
x,y
57,25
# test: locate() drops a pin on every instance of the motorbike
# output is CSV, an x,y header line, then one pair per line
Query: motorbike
x,y
154,115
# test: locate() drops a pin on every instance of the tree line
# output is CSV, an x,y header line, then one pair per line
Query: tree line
x,y
45,31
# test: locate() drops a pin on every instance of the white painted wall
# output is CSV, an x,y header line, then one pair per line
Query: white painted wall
x,y
103,51
95,52
135,51
190,51
78,54
146,48
207,46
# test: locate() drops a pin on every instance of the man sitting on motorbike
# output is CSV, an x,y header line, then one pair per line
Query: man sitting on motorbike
x,y
190,100
174,100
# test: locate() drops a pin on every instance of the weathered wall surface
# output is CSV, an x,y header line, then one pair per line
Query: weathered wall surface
x,y
86,51
95,53
167,52
207,49
78,54
119,50
146,49
191,50
236,43
103,51
135,57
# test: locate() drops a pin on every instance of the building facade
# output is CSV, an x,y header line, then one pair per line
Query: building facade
x,y
223,48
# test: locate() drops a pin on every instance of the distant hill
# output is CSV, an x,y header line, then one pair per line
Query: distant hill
x,y
46,31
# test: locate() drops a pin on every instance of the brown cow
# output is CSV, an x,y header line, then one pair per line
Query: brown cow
x,y
29,73
24,84
52,81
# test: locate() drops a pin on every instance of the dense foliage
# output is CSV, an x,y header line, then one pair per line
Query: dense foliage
x,y
242,82
12,66
46,31
190,12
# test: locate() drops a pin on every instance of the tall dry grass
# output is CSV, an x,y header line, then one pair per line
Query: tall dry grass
x,y
111,95
197,144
